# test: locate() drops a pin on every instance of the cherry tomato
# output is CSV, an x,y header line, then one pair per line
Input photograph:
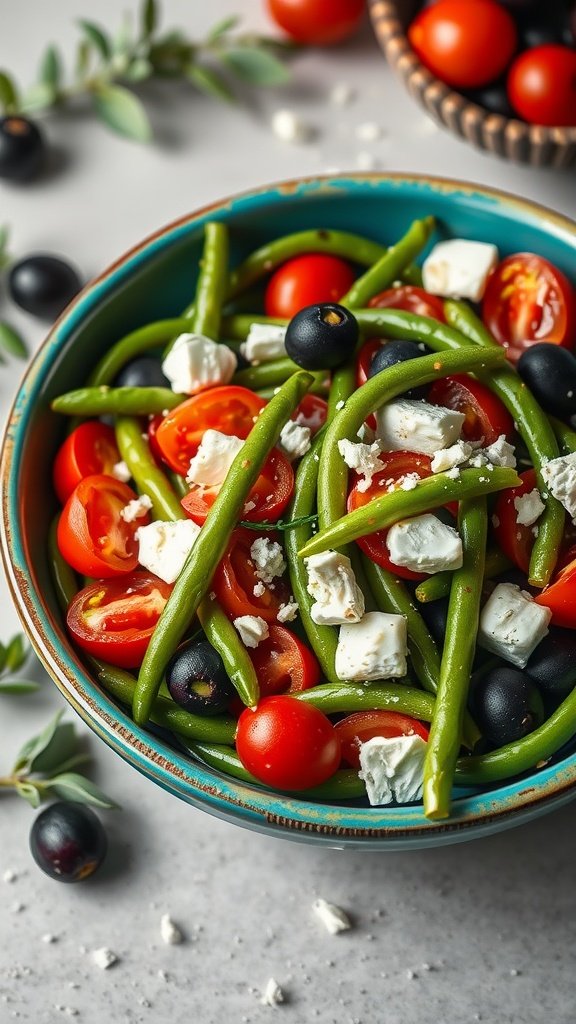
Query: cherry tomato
x,y
92,536
317,22
152,429
114,619
229,409
235,579
465,43
364,362
286,744
266,501
312,412
283,663
304,281
486,417
515,540
560,597
88,450
364,725
411,299
528,300
396,465
542,85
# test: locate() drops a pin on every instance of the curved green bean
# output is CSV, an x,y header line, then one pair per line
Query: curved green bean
x,y
237,326
565,436
221,634
438,585
338,698
457,656
145,472
143,339
212,281
102,401
390,265
272,374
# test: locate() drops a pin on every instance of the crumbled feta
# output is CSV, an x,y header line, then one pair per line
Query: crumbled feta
x,y
287,126
499,453
9,876
512,624
121,472
424,544
368,131
210,465
294,440
195,363
447,458
374,648
332,584
104,958
366,161
341,94
268,559
392,769
364,459
251,629
272,994
287,612
259,590
529,507
560,476
459,268
170,933
409,482
333,918
417,426
164,547
136,509
340,404
264,342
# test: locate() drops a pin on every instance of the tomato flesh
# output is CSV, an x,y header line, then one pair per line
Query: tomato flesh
x,y
411,299
486,418
92,536
516,541
266,501
89,450
235,579
560,597
283,663
304,281
365,725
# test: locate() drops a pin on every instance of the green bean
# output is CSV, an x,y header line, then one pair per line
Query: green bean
x,y
322,639
438,585
212,281
457,657
148,477
103,401
179,484
221,634
388,268
237,327
270,375
194,580
132,345
565,436
338,698
333,474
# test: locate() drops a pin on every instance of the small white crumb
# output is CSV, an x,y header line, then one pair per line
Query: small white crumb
x,y
272,994
49,938
333,918
162,975
136,509
170,932
340,404
289,127
104,958
17,908
514,973
366,161
287,612
368,131
426,127
411,975
121,472
409,482
259,590
341,94
9,876
454,473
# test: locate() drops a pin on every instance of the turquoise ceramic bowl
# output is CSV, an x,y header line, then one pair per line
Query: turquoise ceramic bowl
x,y
151,282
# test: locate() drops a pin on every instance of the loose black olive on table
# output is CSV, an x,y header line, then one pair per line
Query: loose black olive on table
x,y
398,352
550,373
22,148
197,679
68,842
505,704
43,285
142,373
321,337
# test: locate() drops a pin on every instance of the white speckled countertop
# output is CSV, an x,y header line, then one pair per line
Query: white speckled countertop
x,y
483,932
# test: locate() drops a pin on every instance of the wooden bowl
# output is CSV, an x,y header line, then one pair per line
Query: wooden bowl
x,y
533,144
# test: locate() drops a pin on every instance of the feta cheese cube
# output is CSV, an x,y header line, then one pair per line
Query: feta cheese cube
x,y
560,476
136,508
447,458
210,465
424,544
195,363
459,268
268,559
272,994
332,584
364,459
529,507
164,547
512,624
264,342
294,440
417,426
252,629
374,648
287,612
392,769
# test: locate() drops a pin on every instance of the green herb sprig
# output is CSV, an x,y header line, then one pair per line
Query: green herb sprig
x,y
13,655
281,524
108,66
11,341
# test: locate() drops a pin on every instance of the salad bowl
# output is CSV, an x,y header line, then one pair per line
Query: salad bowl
x,y
152,281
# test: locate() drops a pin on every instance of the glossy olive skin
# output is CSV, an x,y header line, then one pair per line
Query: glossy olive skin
x,y
550,373
505,705
321,337
552,665
394,352
494,98
545,23
197,679
43,285
145,372
435,615
22,148
68,842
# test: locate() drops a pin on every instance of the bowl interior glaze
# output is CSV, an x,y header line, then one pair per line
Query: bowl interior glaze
x,y
156,280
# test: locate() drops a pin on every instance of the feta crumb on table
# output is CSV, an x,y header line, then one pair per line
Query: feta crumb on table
x,y
392,768
373,648
264,343
417,426
512,624
289,127
560,476
272,994
364,459
341,94
334,919
136,509
529,507
170,933
251,629
121,472
332,583
459,268
294,440
368,131
424,544
195,362
104,958
215,455
268,559
164,547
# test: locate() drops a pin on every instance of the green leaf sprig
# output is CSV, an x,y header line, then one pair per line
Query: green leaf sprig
x,y
12,658
281,524
108,66
10,341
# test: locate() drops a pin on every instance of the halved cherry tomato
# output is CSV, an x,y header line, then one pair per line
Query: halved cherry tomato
x,y
229,409
516,540
88,450
560,597
411,299
287,744
364,361
235,579
486,417
364,725
283,663
92,536
305,280
396,466
528,300
153,424
312,412
266,501
114,619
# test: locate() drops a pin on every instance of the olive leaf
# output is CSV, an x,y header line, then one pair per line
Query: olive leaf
x,y
8,92
122,111
254,65
83,55
17,651
62,747
30,792
37,97
13,687
77,789
98,37
36,746
222,28
209,82
149,18
11,341
139,70
51,68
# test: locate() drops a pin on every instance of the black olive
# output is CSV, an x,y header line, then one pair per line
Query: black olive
x,y
398,352
550,373
552,665
435,615
22,148
68,842
494,98
545,24
505,705
197,679
145,372
321,337
43,285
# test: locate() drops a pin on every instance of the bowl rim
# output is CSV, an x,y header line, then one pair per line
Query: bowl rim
x,y
263,810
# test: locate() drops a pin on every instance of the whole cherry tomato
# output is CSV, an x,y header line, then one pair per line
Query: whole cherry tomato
x,y
317,22
542,85
305,280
